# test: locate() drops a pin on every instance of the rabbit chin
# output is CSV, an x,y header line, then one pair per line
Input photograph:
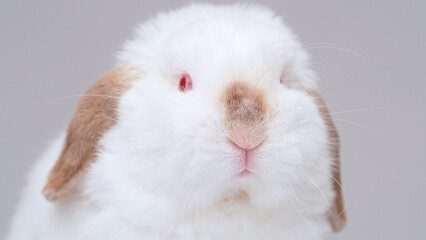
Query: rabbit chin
x,y
253,191
257,192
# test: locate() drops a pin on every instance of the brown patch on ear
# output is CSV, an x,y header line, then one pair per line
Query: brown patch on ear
x,y
245,114
337,214
96,113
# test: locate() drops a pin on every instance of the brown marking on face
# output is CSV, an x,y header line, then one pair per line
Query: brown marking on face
x,y
337,215
245,108
96,113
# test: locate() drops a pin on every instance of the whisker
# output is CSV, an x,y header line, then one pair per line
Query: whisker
x,y
341,187
71,96
357,110
337,70
340,48
319,190
306,221
294,193
383,139
334,179
276,180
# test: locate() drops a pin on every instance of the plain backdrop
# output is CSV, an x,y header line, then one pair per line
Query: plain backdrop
x,y
370,56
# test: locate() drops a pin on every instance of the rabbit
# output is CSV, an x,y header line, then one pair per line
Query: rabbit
x,y
210,126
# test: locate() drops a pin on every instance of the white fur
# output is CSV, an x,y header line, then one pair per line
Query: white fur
x,y
166,170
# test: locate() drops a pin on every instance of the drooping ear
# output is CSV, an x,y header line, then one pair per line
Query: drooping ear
x,y
96,113
337,214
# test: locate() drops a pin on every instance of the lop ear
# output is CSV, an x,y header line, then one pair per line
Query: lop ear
x,y
337,215
96,113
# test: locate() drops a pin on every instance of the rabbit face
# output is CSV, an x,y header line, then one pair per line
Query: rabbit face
x,y
239,128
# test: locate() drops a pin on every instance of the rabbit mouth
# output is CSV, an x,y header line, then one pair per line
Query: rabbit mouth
x,y
245,161
244,173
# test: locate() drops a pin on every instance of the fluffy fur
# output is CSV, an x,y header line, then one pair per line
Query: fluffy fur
x,y
166,169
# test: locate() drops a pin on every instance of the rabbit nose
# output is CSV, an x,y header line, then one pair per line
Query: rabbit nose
x,y
245,119
245,142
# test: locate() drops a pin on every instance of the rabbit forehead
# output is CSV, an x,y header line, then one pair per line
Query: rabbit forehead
x,y
246,36
227,50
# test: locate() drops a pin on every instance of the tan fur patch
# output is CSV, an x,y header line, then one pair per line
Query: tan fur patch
x,y
96,113
337,216
245,113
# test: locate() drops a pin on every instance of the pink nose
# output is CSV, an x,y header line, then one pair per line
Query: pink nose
x,y
245,143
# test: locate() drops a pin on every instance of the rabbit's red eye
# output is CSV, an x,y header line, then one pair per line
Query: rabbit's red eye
x,y
185,83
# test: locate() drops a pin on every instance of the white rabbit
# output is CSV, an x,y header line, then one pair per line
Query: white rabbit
x,y
209,127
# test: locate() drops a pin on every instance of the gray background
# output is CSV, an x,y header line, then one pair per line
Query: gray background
x,y
369,54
